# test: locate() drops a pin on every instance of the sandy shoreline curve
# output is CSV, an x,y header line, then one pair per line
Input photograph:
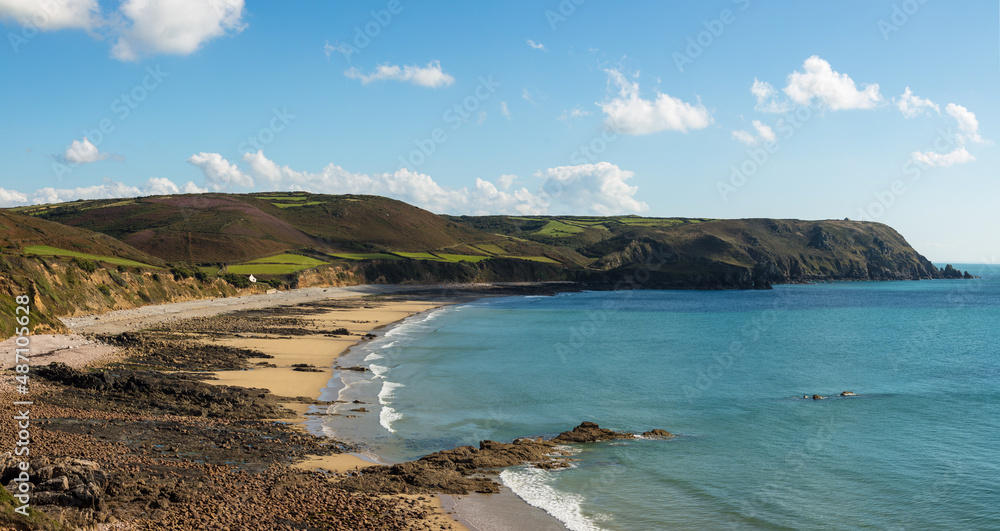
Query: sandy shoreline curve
x,y
317,350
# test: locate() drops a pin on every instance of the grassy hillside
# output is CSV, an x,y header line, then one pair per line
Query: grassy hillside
x,y
234,229
722,253
144,246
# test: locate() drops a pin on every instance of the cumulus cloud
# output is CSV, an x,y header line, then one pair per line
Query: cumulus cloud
x,y
836,91
53,14
504,110
632,115
425,76
767,98
219,173
597,188
911,106
968,131
932,158
108,189
537,45
968,125
744,137
174,26
764,133
83,151
589,188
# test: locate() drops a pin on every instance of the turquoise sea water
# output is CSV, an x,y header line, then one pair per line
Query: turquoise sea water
x,y
919,448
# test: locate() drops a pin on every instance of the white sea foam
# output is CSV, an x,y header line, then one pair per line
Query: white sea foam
x,y
388,388
387,416
378,370
531,485
388,345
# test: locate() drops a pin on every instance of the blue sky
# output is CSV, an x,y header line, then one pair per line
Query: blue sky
x,y
877,110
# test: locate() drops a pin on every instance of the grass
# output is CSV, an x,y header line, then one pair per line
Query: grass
x,y
283,197
418,256
45,250
558,228
290,205
265,269
365,256
288,258
462,257
543,259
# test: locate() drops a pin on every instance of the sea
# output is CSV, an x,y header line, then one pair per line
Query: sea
x,y
732,374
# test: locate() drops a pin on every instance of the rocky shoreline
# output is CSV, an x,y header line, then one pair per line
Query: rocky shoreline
x,y
148,441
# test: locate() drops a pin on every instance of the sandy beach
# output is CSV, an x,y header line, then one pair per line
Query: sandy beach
x,y
277,352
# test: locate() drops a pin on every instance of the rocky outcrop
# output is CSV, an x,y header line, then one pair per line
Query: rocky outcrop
x,y
459,471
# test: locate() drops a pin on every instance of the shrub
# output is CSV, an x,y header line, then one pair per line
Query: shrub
x,y
88,266
238,281
105,290
201,275
118,279
156,277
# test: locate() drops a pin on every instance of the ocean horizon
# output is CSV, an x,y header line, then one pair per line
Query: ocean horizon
x,y
732,375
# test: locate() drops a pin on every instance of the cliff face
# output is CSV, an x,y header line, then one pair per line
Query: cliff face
x,y
756,253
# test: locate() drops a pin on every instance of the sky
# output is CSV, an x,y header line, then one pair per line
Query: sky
x,y
870,110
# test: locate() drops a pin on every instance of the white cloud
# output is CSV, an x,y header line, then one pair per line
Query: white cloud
x,y
219,172
504,110
481,118
575,112
174,26
594,188
52,14
526,95
426,76
108,189
328,49
932,158
744,137
632,115
537,45
967,123
764,131
80,152
766,98
911,106
586,189
832,89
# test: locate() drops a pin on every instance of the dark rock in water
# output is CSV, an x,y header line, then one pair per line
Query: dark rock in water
x,y
817,397
459,471
657,433
848,393
360,410
590,432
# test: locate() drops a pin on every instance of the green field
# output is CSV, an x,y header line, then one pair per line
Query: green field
x,y
419,256
558,228
462,257
283,197
366,256
288,258
45,250
290,205
265,269
543,259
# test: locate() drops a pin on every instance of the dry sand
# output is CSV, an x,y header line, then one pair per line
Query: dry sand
x,y
317,350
